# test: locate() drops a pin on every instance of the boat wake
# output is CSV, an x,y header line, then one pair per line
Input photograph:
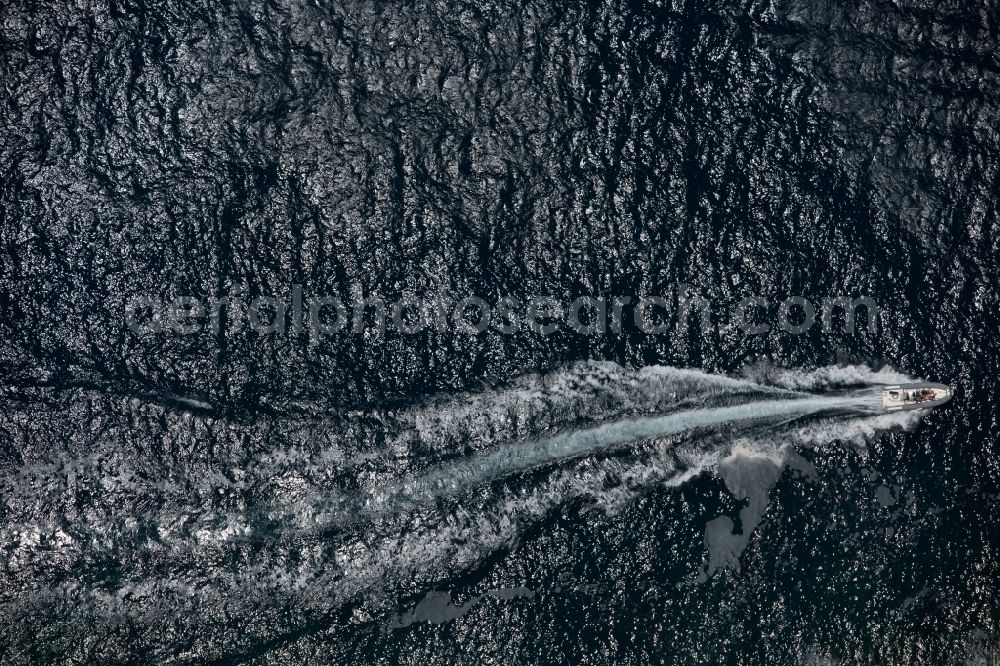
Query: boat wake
x,y
524,456
328,510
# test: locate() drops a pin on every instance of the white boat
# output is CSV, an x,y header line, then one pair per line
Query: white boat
x,y
922,395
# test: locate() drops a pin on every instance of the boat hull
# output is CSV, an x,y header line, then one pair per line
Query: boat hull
x,y
918,395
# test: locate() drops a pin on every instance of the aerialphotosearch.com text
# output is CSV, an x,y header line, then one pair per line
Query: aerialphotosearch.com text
x,y
318,317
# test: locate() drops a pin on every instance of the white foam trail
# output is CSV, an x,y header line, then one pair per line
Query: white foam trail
x,y
524,456
588,391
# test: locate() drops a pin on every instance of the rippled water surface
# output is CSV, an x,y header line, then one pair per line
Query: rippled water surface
x,y
693,496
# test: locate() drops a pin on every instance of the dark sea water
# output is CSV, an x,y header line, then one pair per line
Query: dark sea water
x,y
685,497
